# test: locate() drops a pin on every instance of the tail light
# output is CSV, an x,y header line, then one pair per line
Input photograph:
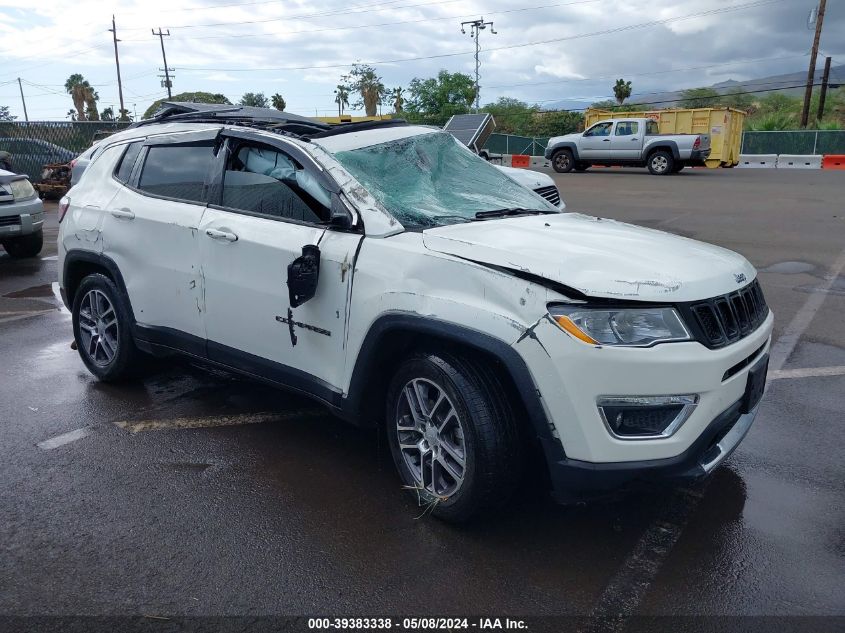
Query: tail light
x,y
64,203
697,143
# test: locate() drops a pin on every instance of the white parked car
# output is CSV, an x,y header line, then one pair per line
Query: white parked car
x,y
400,280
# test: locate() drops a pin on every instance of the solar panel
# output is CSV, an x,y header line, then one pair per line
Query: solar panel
x,y
472,130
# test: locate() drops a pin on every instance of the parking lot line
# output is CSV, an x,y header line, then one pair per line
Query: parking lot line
x,y
64,438
808,372
785,345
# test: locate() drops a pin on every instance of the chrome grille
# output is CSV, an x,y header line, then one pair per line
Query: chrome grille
x,y
731,317
549,193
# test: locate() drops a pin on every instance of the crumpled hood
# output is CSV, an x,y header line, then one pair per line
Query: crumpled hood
x,y
598,257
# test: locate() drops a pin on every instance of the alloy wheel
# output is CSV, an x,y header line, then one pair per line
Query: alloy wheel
x,y
659,164
431,438
98,328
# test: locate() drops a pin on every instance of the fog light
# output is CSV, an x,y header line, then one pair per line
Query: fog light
x,y
645,417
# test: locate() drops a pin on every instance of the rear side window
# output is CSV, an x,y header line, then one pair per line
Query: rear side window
x,y
124,170
651,128
627,128
177,171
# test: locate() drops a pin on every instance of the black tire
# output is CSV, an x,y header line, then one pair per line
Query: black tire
x,y
661,163
24,246
678,168
126,358
562,161
582,166
491,442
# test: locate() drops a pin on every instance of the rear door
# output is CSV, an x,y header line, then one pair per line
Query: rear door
x,y
595,143
627,141
270,201
150,230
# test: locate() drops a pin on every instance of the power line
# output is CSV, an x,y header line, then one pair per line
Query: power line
x,y
629,27
167,83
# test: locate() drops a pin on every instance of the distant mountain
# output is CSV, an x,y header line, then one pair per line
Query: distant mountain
x,y
789,83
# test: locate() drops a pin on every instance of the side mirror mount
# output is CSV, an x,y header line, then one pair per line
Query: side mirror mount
x,y
303,275
341,217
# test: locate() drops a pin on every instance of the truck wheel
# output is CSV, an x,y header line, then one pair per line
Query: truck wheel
x,y
678,168
24,246
102,329
661,163
562,161
452,434
582,166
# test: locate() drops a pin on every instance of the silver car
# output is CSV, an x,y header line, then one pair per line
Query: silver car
x,y
21,216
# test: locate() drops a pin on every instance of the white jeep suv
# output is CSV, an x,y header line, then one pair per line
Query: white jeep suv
x,y
388,273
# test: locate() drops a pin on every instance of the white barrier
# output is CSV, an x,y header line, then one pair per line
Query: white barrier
x,y
506,160
539,161
798,161
758,161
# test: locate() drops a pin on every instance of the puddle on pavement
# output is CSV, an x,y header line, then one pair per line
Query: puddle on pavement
x,y
34,292
836,288
789,268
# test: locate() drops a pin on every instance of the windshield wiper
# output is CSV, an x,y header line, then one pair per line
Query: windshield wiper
x,y
501,213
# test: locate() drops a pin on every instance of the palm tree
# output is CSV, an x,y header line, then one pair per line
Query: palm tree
x,y
364,80
91,98
622,90
278,102
398,99
76,88
341,98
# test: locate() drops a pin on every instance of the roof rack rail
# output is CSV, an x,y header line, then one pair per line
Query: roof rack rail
x,y
344,128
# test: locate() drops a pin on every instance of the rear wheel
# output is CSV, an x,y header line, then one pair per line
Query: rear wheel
x,y
582,166
678,168
452,435
102,329
24,246
661,163
562,161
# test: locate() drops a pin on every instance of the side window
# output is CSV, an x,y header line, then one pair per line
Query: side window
x,y
269,182
651,128
124,168
176,171
627,128
602,129
102,165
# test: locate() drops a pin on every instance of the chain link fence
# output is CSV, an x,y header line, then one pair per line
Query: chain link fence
x,y
38,143
800,142
511,144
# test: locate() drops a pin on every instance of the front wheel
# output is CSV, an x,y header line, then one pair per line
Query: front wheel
x,y
562,161
661,163
25,246
102,329
452,435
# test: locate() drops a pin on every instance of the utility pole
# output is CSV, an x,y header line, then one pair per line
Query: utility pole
x,y
823,93
476,26
811,75
23,101
166,83
113,30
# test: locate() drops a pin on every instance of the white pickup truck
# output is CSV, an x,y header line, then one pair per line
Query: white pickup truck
x,y
628,143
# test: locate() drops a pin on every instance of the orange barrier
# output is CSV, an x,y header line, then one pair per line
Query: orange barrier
x,y
521,160
833,161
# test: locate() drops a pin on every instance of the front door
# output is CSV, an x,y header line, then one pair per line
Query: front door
x,y
595,143
272,203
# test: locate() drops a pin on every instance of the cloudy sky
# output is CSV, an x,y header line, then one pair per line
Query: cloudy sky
x,y
544,51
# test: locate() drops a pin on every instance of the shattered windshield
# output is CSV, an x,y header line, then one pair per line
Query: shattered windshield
x,y
430,180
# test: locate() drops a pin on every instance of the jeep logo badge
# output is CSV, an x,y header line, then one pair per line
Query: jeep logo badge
x,y
740,277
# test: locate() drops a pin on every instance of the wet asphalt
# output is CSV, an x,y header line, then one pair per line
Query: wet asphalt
x,y
287,510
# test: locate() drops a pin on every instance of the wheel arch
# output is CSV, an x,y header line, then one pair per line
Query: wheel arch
x,y
79,264
668,146
392,336
572,147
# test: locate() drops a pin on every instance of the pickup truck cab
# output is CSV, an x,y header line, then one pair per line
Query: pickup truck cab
x,y
628,143
405,283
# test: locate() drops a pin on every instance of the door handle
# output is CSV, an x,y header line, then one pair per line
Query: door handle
x,y
606,140
124,213
635,139
224,236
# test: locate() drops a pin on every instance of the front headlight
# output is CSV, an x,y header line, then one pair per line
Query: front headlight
x,y
631,327
22,190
